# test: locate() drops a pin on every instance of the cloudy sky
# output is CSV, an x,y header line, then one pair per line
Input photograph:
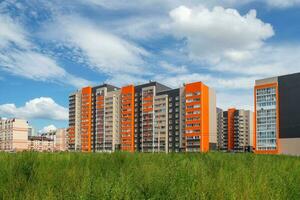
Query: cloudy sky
x,y
50,48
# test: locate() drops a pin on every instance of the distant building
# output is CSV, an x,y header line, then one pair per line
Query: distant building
x,y
13,134
32,131
219,127
236,131
59,139
41,144
277,115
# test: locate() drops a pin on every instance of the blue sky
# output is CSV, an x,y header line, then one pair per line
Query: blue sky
x,y
50,48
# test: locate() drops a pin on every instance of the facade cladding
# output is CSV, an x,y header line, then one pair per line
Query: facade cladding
x,y
147,118
237,130
219,128
172,111
277,120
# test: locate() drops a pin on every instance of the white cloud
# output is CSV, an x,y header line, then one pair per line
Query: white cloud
x,y
157,5
240,100
101,50
268,61
212,35
38,67
20,57
48,129
122,79
38,108
212,81
11,32
172,69
283,3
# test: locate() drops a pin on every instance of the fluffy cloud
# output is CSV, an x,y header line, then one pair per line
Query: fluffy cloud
x,y
212,35
47,129
38,108
268,61
20,57
102,50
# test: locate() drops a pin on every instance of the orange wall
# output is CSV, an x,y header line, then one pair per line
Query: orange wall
x,y
86,117
204,113
277,115
230,132
127,122
71,135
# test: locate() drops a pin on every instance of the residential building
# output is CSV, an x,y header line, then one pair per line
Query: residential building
x,y
59,138
147,100
170,114
199,125
41,143
94,119
74,130
149,117
219,127
277,119
13,134
237,130
31,131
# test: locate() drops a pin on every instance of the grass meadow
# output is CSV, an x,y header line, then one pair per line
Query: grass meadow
x,y
148,176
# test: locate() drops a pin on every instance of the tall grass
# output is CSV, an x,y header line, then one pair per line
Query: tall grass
x,y
148,176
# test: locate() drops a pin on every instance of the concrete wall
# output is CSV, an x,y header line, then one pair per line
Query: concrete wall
x,y
212,117
290,146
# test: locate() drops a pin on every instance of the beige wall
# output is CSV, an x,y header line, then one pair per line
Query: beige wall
x,y
13,134
290,146
78,121
161,122
61,139
112,118
41,145
212,117
266,81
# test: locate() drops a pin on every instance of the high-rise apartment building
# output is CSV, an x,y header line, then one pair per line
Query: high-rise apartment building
x,y
149,117
148,105
277,119
219,128
13,134
74,130
94,114
237,130
199,117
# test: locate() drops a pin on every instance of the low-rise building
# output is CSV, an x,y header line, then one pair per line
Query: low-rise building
x,y
40,143
59,138
13,134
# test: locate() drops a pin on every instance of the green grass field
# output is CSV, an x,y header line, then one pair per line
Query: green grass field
x,y
148,176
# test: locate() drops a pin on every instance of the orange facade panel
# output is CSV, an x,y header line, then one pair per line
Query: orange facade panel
x,y
127,117
86,119
197,99
230,130
71,135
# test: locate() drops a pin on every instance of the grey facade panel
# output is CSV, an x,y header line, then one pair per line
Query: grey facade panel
x,y
289,106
